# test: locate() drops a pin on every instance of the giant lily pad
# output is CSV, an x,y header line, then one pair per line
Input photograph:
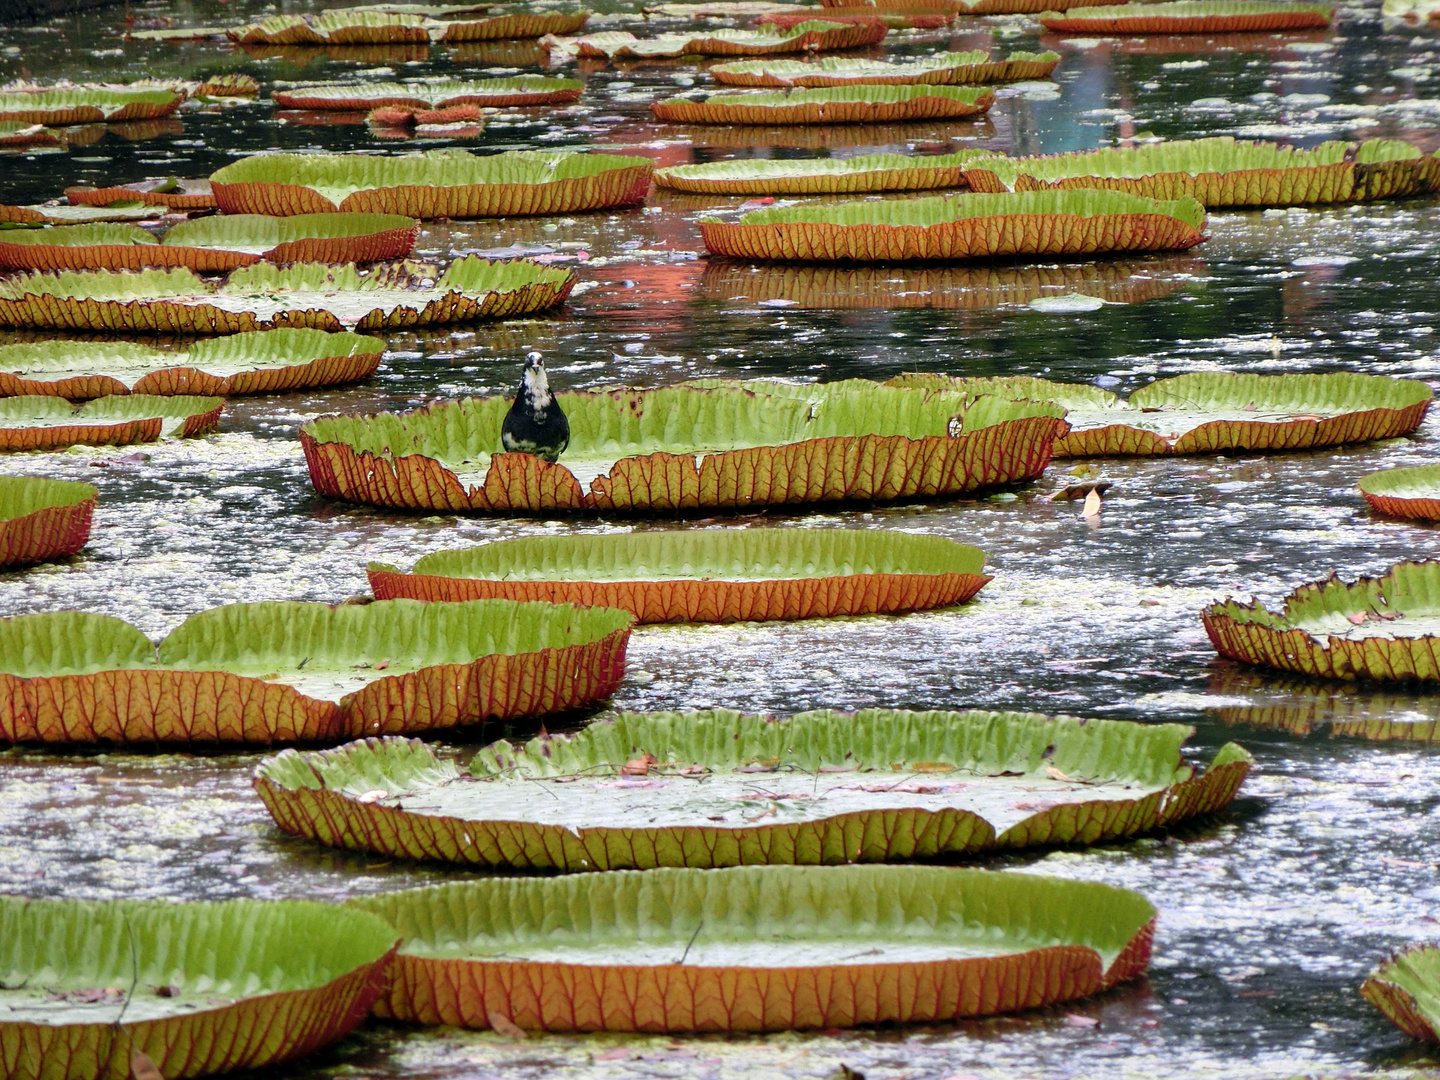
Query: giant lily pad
x,y
212,987
296,672
960,7
1406,493
814,176
165,191
441,183
257,362
87,104
1406,988
299,295
43,519
894,20
1189,17
368,26
21,133
682,448
1385,628
719,788
1222,172
42,422
944,68
519,90
706,575
41,214
828,105
213,244
972,227
960,287
755,948
1214,412
809,36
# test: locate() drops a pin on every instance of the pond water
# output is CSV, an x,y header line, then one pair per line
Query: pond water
x,y
1270,914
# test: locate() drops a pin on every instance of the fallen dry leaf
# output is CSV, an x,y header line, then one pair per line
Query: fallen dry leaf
x,y
1056,774
1080,1020
1092,505
503,1025
142,1068
372,796
1357,617
639,766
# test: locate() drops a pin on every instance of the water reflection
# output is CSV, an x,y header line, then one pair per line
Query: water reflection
x,y
1127,281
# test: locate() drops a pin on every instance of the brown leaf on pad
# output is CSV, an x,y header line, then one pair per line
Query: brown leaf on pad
x,y
142,1068
639,766
503,1025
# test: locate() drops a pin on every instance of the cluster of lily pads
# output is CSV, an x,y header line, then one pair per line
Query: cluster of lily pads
x,y
760,886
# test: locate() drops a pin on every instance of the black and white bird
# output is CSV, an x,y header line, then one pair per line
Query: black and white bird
x,y
535,424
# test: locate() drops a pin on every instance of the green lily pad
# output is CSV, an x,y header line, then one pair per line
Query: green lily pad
x,y
1384,628
199,988
381,24
43,422
706,575
755,948
440,183
971,227
1188,17
74,215
1406,493
1223,172
1406,988
63,106
974,66
683,448
1212,412
282,671
213,244
719,788
814,176
815,35
433,94
43,519
267,361
265,296
848,104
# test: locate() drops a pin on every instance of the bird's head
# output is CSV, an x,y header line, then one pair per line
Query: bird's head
x,y
534,383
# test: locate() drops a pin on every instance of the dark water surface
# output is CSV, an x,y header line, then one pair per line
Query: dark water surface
x,y
1270,914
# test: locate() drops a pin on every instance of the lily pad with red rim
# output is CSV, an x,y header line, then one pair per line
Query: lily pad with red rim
x,y
683,448
706,575
265,296
859,104
968,227
198,988
755,948
440,183
264,361
720,788
278,672
1222,171
43,519
1383,628
212,244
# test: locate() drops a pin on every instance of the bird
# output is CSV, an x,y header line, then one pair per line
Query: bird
x,y
535,424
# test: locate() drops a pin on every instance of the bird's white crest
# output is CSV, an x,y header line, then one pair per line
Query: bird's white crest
x,y
536,381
